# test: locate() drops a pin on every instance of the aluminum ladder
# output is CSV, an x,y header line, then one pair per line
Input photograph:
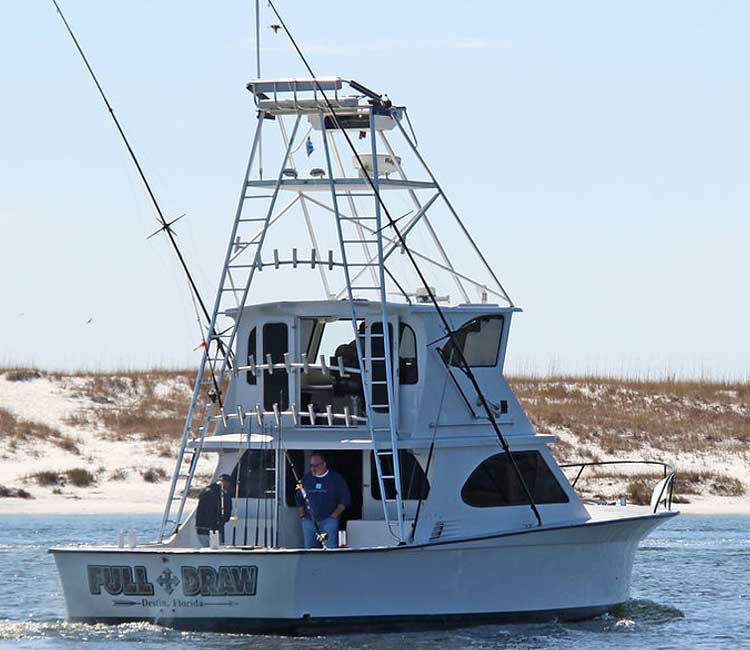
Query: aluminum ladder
x,y
384,435
242,260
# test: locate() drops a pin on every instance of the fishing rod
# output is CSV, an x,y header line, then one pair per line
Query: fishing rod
x,y
320,535
450,334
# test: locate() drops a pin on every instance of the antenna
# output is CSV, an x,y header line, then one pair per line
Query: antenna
x,y
257,38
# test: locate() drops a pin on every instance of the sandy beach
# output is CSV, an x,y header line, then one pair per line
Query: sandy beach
x,y
129,472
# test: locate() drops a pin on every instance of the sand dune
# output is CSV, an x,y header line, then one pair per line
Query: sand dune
x,y
105,442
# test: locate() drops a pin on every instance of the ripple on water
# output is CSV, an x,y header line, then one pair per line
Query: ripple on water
x,y
62,629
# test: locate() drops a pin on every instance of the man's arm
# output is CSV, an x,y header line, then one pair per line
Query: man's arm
x,y
339,509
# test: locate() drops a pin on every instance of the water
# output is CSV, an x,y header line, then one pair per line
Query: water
x,y
691,590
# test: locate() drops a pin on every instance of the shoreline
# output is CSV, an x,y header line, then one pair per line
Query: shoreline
x,y
711,506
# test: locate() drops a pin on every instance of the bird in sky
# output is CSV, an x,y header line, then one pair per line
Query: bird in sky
x,y
90,320
275,27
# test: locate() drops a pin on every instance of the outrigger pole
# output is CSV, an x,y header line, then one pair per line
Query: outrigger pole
x,y
449,331
166,226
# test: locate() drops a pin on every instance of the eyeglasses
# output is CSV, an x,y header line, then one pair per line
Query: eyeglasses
x,y
313,465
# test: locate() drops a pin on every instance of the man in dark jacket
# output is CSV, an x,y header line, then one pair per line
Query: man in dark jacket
x,y
214,509
328,496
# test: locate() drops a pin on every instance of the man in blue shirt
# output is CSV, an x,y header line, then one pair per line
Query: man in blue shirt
x,y
328,496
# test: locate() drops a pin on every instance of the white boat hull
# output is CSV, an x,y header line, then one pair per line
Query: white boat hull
x,y
564,572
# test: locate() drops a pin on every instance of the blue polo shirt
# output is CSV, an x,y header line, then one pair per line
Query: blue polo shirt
x,y
325,493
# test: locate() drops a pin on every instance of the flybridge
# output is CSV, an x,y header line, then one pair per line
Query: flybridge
x,y
310,96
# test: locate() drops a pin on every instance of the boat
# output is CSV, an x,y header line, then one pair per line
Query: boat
x,y
357,317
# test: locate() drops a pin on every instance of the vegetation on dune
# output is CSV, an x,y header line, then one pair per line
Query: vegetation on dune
x,y
620,415
77,477
18,493
18,431
153,475
149,405
22,374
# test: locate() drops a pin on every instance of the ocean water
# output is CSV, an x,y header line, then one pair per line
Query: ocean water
x,y
691,590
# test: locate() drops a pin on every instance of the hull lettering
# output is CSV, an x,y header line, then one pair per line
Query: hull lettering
x,y
224,581
118,580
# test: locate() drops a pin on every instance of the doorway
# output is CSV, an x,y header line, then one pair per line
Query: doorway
x,y
347,462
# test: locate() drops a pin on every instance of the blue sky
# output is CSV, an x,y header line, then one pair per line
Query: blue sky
x,y
598,151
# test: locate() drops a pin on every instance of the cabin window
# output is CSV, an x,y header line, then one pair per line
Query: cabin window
x,y
379,388
495,483
332,340
276,383
407,356
414,484
256,471
479,340
251,355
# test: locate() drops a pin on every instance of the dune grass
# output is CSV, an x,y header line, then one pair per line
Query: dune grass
x,y
18,432
620,416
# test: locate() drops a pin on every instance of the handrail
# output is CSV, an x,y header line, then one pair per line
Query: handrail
x,y
666,483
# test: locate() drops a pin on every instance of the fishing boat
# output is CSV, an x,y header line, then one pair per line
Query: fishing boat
x,y
356,316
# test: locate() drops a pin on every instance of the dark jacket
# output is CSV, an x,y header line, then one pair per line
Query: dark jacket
x,y
213,511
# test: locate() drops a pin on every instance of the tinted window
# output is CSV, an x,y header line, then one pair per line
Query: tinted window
x,y
256,474
479,340
251,351
379,391
276,384
407,356
414,483
495,483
